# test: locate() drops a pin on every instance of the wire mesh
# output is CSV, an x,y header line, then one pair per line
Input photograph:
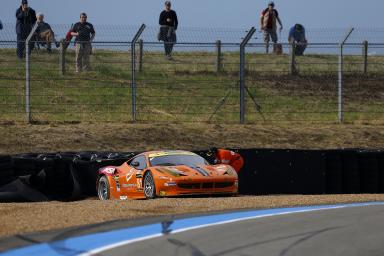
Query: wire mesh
x,y
188,86
200,82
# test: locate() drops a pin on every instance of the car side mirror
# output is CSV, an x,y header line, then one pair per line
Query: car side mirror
x,y
135,164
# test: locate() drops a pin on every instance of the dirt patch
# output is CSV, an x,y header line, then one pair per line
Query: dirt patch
x,y
357,88
22,138
25,217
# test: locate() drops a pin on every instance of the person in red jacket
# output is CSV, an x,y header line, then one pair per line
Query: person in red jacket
x,y
224,156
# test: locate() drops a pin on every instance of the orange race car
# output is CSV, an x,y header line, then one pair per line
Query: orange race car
x,y
165,173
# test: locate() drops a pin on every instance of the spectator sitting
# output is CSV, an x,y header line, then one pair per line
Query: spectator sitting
x,y
297,36
45,33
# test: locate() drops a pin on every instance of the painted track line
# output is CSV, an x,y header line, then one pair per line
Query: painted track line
x,y
99,242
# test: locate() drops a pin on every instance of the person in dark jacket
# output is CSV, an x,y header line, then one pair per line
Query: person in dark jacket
x,y
168,25
84,33
297,36
1,25
25,19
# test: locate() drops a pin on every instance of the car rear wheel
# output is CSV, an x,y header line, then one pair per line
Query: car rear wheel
x,y
149,186
103,188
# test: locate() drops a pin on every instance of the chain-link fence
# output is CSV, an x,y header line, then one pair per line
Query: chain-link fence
x,y
212,75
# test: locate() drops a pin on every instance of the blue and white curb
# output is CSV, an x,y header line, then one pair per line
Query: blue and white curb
x,y
95,243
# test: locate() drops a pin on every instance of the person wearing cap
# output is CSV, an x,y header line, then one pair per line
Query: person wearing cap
x,y
297,36
84,33
25,19
168,25
44,32
268,19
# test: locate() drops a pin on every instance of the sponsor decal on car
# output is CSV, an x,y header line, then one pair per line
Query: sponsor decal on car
x,y
129,176
116,179
123,197
170,184
128,185
109,170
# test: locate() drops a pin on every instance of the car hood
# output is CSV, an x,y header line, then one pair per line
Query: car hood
x,y
196,171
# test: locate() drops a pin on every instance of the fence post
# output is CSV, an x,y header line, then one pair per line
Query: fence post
x,y
292,66
242,73
365,56
340,86
62,58
27,75
140,54
133,70
218,64
340,82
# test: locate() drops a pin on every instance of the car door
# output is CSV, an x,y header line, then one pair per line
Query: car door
x,y
134,177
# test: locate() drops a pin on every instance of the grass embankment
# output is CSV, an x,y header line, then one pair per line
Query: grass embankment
x,y
188,89
21,138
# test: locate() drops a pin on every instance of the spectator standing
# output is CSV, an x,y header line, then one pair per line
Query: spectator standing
x,y
25,19
44,32
224,156
1,25
268,25
84,33
168,25
297,36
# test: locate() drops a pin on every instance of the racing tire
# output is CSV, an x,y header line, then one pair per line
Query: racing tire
x,y
103,189
149,186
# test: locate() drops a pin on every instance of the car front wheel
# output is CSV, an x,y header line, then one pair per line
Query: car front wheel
x,y
149,186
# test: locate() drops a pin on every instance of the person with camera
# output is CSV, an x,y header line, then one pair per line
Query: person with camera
x,y
25,19
168,25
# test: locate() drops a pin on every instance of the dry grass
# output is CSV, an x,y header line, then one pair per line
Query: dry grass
x,y
21,138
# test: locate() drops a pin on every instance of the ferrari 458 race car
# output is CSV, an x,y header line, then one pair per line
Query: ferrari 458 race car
x,y
163,174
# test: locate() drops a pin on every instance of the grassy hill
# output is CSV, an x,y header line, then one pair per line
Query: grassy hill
x,y
188,89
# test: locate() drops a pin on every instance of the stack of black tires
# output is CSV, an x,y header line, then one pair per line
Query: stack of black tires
x,y
53,176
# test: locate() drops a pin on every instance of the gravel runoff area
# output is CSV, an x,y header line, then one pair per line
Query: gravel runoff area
x,y
21,218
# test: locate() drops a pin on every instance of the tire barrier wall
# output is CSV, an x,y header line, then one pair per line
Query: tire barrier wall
x,y
349,171
72,175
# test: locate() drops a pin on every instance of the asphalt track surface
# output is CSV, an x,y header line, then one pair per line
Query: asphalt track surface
x,y
332,230
347,231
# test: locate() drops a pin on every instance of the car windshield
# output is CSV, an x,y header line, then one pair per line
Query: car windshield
x,y
172,160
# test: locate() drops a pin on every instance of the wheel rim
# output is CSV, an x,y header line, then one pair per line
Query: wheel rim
x,y
103,191
148,185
